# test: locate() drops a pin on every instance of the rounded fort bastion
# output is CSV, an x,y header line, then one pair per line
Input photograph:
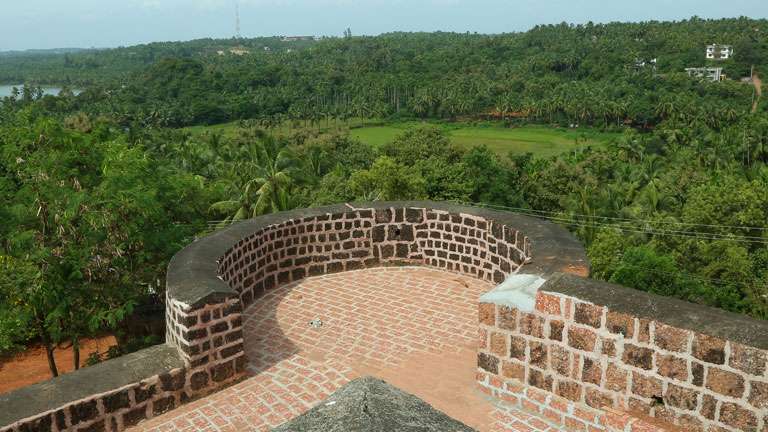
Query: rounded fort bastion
x,y
580,353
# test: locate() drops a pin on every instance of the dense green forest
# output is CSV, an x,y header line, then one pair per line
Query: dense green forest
x,y
101,189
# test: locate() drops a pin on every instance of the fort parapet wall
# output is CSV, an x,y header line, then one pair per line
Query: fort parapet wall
x,y
595,356
578,351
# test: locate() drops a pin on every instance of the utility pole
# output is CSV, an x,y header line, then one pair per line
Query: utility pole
x,y
237,20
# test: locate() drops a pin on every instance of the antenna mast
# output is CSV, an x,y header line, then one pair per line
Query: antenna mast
x,y
237,19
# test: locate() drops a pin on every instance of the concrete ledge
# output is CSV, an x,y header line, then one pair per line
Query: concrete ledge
x,y
102,378
193,279
670,311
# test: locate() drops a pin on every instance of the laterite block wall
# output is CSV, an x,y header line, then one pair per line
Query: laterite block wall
x,y
570,359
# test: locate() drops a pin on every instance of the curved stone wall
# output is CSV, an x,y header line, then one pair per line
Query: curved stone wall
x,y
213,279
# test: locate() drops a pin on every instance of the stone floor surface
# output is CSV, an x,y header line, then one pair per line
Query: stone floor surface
x,y
415,328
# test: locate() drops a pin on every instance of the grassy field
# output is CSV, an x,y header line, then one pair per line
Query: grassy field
x,y
542,141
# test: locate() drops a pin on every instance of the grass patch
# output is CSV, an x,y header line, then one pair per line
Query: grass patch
x,y
542,141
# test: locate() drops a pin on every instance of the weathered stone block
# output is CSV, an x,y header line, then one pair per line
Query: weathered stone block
x,y
539,379
82,412
725,382
671,338
517,348
569,390
560,360
681,397
162,405
582,339
638,356
223,372
588,314
646,386
758,394
738,417
199,380
513,370
499,344
556,330
750,360
620,323
116,401
173,381
708,349
134,416
548,303
538,354
487,314
507,318
488,363
672,367
616,378
592,371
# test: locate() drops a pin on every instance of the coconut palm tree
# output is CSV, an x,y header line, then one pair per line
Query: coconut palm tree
x,y
261,183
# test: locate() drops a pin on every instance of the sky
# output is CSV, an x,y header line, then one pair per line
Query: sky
x,y
39,24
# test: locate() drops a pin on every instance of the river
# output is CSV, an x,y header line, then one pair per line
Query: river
x,y
5,90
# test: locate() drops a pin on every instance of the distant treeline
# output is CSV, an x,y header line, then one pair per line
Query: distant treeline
x,y
555,73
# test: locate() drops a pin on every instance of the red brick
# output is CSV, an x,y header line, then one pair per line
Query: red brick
x,y
582,339
559,404
670,338
584,414
553,416
482,338
560,361
724,382
530,406
487,314
642,426
572,424
548,303
588,314
617,420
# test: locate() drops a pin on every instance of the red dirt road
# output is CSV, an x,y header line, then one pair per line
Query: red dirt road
x,y
31,366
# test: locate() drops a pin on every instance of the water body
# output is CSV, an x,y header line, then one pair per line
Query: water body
x,y
6,90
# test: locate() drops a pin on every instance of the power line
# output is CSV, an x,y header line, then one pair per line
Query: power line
x,y
566,220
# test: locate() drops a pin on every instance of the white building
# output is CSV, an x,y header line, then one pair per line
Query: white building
x,y
707,73
719,52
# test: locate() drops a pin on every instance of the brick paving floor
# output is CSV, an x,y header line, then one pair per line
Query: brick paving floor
x,y
414,327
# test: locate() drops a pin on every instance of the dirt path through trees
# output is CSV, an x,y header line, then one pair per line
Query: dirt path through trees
x,y
30,367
